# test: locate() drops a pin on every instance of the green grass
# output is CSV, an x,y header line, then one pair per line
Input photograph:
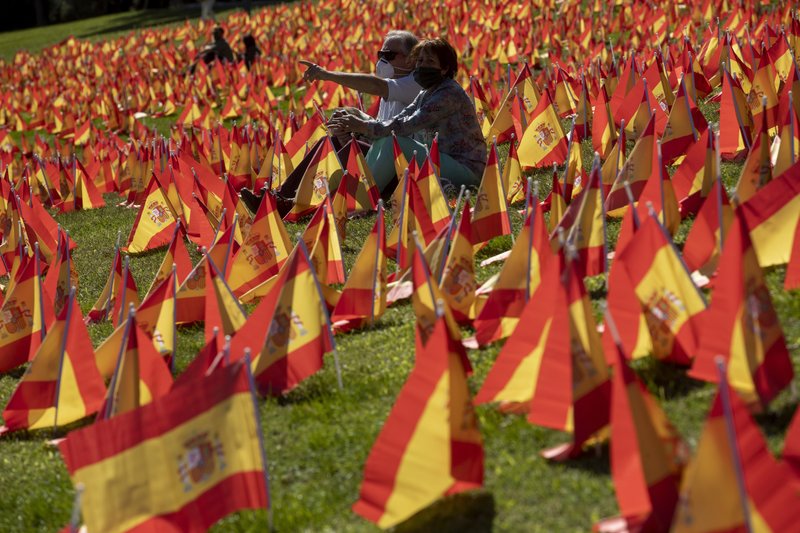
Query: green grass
x,y
317,437
93,29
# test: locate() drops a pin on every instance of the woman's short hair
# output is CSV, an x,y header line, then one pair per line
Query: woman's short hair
x,y
444,51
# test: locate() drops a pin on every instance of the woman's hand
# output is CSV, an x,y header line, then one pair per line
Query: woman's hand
x,y
314,72
346,123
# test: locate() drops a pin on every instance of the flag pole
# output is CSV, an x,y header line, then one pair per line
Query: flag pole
x,y
724,392
75,518
302,245
122,349
380,235
260,433
534,190
68,317
451,230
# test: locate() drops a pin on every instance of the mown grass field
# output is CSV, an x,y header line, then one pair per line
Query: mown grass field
x,y
318,437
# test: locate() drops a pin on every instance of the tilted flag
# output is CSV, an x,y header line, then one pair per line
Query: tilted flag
x,y
458,280
747,332
62,384
669,300
155,222
733,483
639,168
289,331
587,234
24,316
264,250
772,215
694,177
156,316
703,244
735,122
209,432
222,310
177,255
430,445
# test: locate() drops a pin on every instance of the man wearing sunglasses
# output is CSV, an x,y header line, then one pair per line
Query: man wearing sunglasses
x,y
392,80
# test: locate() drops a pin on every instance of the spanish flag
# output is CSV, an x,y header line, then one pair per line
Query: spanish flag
x,y
24,316
735,121
176,255
514,182
458,281
62,384
694,177
430,445
363,298
196,452
604,132
297,332
772,215
127,294
684,126
222,310
732,462
747,332
140,373
517,281
155,222
669,300
426,300
324,168
325,248
62,274
639,168
264,250
703,244
543,142
156,316
490,217
757,169
587,234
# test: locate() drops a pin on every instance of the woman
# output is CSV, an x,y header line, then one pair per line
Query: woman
x,y
442,107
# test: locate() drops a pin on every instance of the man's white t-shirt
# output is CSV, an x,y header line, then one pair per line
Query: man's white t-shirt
x,y
402,92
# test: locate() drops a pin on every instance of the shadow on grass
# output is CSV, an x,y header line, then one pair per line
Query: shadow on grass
x,y
471,511
670,380
143,19
775,422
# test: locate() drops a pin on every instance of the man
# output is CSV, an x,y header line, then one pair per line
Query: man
x,y
219,49
392,80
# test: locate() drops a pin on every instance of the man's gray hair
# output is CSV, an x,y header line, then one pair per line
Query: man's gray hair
x,y
408,39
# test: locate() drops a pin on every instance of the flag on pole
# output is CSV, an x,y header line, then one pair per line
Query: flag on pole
x,y
196,451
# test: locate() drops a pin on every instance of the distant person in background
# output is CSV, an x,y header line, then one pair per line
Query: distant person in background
x,y
219,49
251,50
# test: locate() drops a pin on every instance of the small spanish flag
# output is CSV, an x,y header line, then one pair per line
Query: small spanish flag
x,y
196,451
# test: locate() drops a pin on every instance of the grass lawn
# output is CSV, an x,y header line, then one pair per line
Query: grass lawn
x,y
318,437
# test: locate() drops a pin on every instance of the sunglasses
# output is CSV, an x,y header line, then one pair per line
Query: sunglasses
x,y
388,55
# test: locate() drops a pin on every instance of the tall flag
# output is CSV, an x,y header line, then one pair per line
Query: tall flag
x,y
543,142
209,431
684,126
733,482
363,298
490,217
588,232
703,245
62,384
747,332
264,250
430,445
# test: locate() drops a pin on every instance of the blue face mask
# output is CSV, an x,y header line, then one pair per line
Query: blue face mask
x,y
428,77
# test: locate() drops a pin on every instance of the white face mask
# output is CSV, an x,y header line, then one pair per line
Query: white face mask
x,y
384,69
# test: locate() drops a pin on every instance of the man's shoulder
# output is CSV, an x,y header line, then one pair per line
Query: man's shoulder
x,y
403,89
